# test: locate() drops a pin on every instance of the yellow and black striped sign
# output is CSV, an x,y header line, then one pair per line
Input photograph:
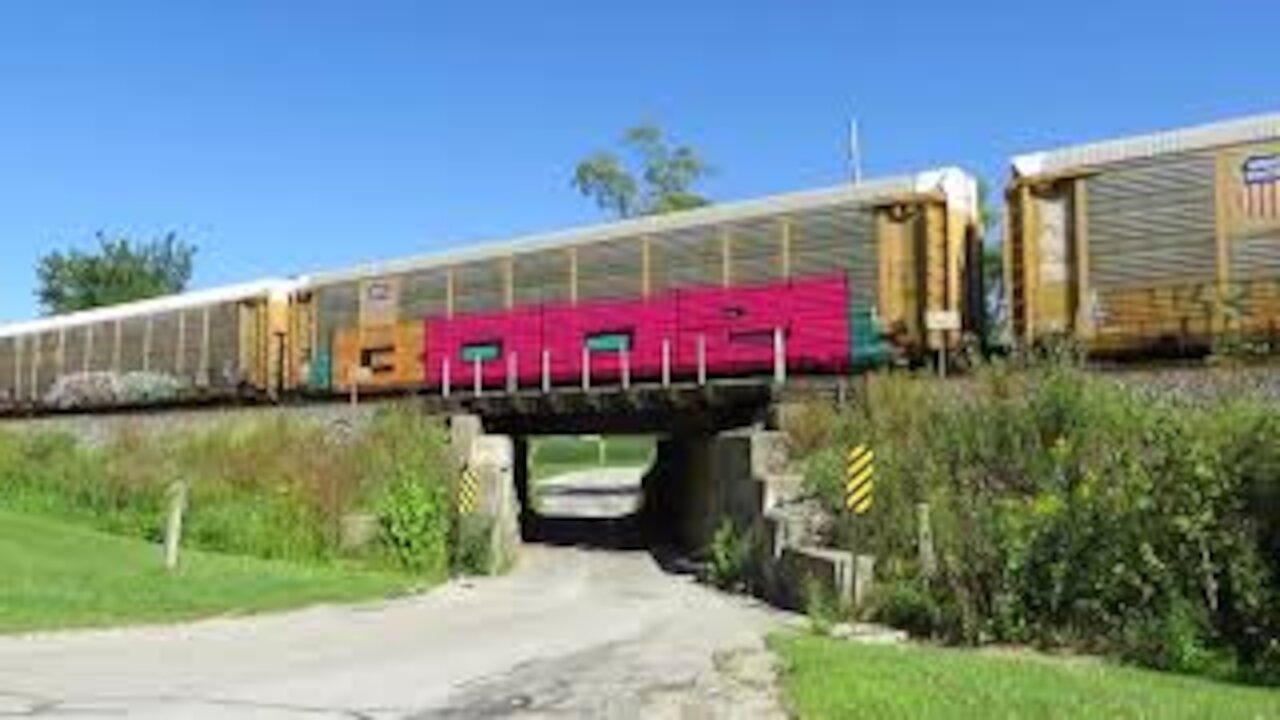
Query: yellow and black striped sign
x,y
859,483
468,492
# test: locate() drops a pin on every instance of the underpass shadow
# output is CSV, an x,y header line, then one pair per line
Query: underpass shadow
x,y
624,533
615,533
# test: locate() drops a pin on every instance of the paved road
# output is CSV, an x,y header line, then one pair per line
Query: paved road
x,y
572,633
596,493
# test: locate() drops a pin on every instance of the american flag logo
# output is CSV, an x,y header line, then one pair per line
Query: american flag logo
x,y
1260,189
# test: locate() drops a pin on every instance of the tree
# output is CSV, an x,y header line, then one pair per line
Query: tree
x,y
119,271
661,183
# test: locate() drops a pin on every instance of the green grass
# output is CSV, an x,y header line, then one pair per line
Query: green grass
x,y
55,575
826,678
559,454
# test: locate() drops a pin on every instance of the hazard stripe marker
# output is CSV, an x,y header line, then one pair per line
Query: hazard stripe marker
x,y
859,479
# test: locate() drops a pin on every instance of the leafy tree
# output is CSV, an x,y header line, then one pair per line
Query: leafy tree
x,y
118,271
660,183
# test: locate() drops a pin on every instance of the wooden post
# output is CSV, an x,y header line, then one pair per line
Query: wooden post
x,y
173,529
512,372
477,376
626,369
445,378
586,368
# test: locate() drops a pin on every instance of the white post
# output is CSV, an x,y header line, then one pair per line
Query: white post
x,y
586,368
477,376
779,356
173,530
445,378
702,359
626,369
666,362
512,380
546,371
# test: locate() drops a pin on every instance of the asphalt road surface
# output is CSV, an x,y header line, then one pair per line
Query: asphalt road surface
x,y
609,492
571,633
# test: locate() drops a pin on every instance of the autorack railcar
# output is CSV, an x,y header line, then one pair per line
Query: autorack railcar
x,y
211,344
1150,245
852,276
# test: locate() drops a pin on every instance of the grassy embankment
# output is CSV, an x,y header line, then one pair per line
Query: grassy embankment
x,y
58,575
826,678
271,501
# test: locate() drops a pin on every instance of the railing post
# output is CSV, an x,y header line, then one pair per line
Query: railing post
x,y
779,356
586,368
626,369
546,371
666,362
446,378
513,379
702,359
477,376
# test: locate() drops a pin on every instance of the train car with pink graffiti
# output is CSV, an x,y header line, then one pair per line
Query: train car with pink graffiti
x,y
832,281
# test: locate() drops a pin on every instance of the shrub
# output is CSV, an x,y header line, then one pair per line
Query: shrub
x,y
730,557
820,605
1071,510
413,517
472,546
906,605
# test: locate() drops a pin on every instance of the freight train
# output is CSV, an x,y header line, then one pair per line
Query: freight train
x,y
830,281
1139,247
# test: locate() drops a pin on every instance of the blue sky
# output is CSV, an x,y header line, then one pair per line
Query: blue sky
x,y
283,137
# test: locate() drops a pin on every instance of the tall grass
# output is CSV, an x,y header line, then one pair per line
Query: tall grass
x,y
275,487
1069,510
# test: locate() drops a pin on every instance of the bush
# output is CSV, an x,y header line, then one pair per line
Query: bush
x,y
472,547
906,605
820,605
1071,510
730,557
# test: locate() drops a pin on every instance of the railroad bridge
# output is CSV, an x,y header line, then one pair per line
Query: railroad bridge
x,y
690,326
